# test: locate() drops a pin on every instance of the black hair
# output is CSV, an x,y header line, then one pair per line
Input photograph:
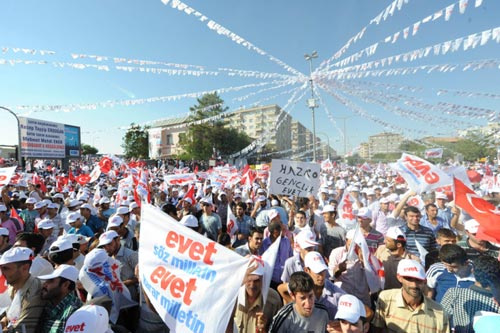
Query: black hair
x,y
274,226
242,205
446,233
411,209
301,212
300,282
72,285
169,209
430,205
62,257
302,201
224,239
452,254
254,230
486,270
33,241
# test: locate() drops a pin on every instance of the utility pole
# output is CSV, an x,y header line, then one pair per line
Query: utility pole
x,y
19,161
311,102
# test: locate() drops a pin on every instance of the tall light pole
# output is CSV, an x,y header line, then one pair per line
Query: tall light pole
x,y
328,142
344,130
311,102
18,134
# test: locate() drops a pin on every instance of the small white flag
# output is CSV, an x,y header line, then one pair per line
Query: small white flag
x,y
437,15
462,6
448,12
479,3
406,31
415,28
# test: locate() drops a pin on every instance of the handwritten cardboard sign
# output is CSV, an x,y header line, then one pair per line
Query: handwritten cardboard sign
x,y
294,178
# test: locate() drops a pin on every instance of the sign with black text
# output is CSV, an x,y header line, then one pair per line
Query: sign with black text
x,y
294,178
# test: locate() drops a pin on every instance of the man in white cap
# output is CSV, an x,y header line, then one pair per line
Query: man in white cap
x,y
473,246
209,220
46,228
373,238
305,242
75,220
55,218
380,214
58,289
127,230
24,290
432,220
408,309
4,240
348,272
104,211
252,308
351,316
29,215
391,254
449,214
332,234
91,220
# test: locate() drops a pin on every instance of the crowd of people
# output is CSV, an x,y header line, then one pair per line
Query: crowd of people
x,y
69,254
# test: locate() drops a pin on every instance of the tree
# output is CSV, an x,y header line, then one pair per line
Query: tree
x,y
201,139
354,160
135,142
89,150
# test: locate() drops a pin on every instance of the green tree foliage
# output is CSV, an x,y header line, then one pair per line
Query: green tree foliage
x,y
201,139
385,157
89,150
354,160
135,142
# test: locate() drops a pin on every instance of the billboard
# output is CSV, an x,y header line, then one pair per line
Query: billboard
x,y
46,139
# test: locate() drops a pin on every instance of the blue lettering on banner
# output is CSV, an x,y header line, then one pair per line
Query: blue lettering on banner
x,y
186,265
173,308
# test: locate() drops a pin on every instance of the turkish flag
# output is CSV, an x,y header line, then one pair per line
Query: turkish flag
x,y
474,176
105,164
485,213
83,179
190,194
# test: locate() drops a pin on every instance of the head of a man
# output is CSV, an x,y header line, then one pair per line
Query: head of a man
x,y
364,217
454,258
329,214
301,287
395,239
445,236
255,239
15,265
253,285
431,210
351,314
487,271
206,207
411,275
240,209
412,216
315,266
110,241
59,284
275,229
300,219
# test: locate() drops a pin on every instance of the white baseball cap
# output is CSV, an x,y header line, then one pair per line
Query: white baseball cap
x,y
328,209
74,203
314,261
31,201
364,213
350,308
261,198
395,233
115,221
95,258
61,244
45,224
4,232
384,200
58,195
66,271
306,239
411,268
86,206
133,205
188,200
471,226
441,195
122,210
53,205
89,319
107,237
272,213
72,217
104,200
189,221
40,204
17,254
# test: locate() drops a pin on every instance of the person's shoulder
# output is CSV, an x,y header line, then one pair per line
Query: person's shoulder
x,y
436,268
389,294
321,310
425,230
273,297
433,305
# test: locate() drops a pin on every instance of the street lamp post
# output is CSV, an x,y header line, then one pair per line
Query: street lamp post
x,y
345,135
18,134
328,142
311,102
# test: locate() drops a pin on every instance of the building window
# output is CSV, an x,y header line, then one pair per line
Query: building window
x,y
170,139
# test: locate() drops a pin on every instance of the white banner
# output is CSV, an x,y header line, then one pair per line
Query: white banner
x,y
294,178
191,281
5,175
434,153
420,174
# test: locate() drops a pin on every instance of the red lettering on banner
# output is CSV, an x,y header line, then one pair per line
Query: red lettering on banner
x,y
176,285
421,169
196,249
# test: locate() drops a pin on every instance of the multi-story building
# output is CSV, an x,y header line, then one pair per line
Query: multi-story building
x,y
291,135
364,150
385,143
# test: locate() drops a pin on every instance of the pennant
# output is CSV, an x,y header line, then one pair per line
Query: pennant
x,y
485,213
478,3
448,12
232,225
437,14
427,19
462,5
485,37
415,28
395,37
406,31
422,252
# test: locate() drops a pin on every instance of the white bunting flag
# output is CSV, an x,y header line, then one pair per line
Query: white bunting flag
x,y
406,31
415,28
448,12
395,37
462,5
5,175
478,3
183,273
437,14
485,37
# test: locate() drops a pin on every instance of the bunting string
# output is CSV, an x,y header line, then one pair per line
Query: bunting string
x,y
467,42
281,85
382,16
132,102
405,33
221,30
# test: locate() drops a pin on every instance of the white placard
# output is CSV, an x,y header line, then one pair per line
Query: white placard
x,y
294,178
